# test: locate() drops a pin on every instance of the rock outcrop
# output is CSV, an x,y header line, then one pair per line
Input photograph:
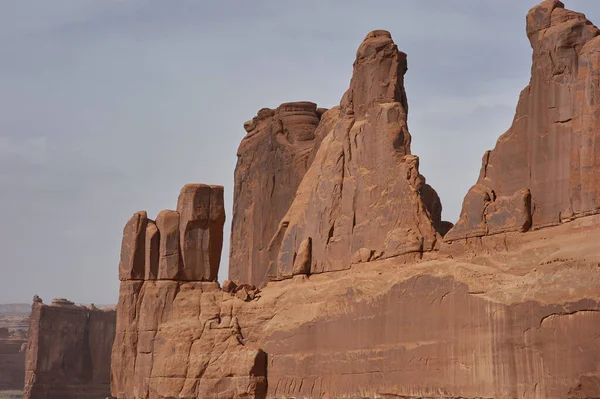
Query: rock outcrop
x,y
363,191
68,351
272,159
177,333
180,245
545,169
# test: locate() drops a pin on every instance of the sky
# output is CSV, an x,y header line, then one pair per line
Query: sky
x,y
110,107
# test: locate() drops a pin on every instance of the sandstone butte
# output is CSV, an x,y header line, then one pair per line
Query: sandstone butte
x,y
68,351
344,280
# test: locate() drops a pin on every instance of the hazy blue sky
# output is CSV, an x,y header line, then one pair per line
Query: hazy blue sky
x,y
110,106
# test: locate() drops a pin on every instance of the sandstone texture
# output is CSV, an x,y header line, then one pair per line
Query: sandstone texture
x,y
519,322
176,336
14,321
68,351
363,298
545,169
272,159
181,245
363,189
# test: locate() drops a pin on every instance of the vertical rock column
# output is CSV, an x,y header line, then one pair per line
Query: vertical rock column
x,y
273,157
180,251
362,197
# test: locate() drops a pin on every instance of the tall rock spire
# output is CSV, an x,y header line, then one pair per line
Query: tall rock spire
x,y
363,197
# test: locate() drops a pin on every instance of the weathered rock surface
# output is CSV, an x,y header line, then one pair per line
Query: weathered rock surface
x,y
180,245
176,334
521,322
552,149
272,159
13,335
363,189
68,351
181,340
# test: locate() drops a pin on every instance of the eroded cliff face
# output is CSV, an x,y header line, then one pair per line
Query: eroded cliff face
x,y
363,197
272,159
546,168
520,322
176,333
68,351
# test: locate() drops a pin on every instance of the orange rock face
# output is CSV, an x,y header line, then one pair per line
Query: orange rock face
x,y
176,333
68,351
363,189
552,148
272,160
181,245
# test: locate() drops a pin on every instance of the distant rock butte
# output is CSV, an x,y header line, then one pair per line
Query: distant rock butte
x,y
545,169
488,313
68,351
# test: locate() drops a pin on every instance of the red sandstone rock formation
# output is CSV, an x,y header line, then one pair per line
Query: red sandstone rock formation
x,y
68,351
181,245
520,321
176,333
363,191
546,168
272,160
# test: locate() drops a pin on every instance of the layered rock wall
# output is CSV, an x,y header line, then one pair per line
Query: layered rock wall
x,y
545,169
68,351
